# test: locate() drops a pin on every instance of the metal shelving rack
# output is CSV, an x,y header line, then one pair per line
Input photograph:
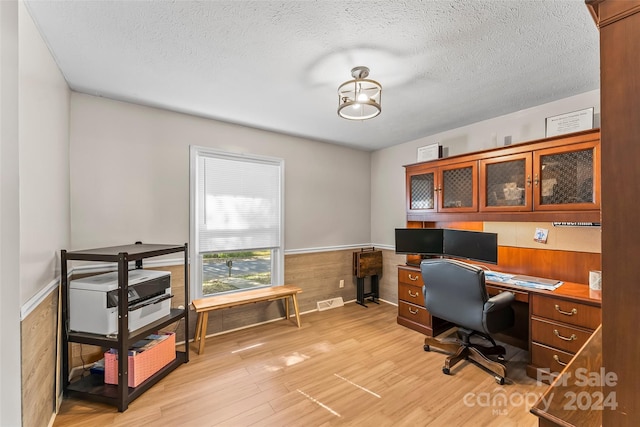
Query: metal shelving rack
x,y
92,387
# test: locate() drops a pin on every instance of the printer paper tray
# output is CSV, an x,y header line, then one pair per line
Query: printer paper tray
x,y
150,301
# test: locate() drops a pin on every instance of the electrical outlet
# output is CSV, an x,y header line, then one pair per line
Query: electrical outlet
x,y
342,283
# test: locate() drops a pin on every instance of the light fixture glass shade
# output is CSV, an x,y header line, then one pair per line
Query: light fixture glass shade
x,y
359,99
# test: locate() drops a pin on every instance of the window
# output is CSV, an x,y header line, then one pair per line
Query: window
x,y
236,221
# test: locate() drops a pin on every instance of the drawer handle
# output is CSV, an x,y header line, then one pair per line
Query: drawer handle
x,y
557,359
571,338
567,313
413,312
413,279
411,294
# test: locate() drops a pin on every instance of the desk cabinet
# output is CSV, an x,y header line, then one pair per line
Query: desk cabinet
x,y
559,328
411,310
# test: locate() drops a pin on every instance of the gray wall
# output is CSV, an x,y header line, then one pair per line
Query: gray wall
x,y
130,177
9,218
34,201
44,161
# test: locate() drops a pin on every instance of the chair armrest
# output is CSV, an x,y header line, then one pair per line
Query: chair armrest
x,y
498,302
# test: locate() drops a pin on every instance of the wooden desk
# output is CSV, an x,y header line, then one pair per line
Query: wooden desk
x,y
551,325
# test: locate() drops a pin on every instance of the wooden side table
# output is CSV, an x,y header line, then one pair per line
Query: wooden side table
x,y
367,262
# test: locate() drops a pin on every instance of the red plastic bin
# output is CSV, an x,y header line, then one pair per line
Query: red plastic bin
x,y
141,364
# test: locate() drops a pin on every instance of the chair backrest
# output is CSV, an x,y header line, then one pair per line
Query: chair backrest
x,y
454,291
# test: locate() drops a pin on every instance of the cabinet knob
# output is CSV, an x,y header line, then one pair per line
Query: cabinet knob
x,y
413,312
411,294
536,180
528,180
412,278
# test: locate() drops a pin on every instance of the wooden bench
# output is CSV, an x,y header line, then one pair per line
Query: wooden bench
x,y
204,305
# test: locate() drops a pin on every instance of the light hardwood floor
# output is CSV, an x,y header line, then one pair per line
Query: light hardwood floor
x,y
345,366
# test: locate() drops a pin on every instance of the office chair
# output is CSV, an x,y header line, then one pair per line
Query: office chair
x,y
455,291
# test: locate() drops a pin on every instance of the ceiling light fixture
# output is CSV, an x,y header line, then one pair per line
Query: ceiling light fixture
x,y
361,94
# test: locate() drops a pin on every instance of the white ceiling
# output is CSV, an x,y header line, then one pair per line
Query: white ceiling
x,y
276,65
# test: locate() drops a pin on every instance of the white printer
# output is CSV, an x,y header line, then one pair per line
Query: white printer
x,y
93,301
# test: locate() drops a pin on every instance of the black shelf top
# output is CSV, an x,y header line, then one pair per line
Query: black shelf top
x,y
134,252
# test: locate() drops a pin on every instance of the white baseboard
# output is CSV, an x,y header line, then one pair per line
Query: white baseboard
x,y
53,417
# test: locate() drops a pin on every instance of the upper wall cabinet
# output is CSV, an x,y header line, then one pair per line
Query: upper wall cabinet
x,y
567,178
506,183
444,188
554,179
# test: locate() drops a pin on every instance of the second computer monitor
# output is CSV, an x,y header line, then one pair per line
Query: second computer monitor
x,y
471,245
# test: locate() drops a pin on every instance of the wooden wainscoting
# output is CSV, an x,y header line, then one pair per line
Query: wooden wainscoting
x,y
39,331
319,275
388,284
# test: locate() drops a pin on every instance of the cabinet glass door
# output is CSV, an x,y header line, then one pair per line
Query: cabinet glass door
x,y
505,183
422,191
459,188
567,178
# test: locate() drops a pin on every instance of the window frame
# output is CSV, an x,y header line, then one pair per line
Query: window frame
x,y
195,267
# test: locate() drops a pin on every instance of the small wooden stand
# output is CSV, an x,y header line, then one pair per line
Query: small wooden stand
x,y
367,262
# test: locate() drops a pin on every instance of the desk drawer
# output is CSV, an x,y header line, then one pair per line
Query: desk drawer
x,y
410,293
410,276
414,313
571,312
557,335
495,290
545,357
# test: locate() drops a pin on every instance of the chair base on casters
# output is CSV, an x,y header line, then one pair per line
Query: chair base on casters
x,y
463,349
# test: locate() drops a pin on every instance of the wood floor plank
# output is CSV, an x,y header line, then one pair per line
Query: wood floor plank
x,y
346,366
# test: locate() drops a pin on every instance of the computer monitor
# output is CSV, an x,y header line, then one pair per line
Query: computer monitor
x,y
471,245
419,241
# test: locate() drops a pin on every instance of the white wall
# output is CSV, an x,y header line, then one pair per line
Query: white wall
x,y
44,161
130,177
388,205
10,406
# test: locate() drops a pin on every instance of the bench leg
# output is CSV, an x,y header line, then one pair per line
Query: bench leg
x,y
286,307
295,307
203,330
196,337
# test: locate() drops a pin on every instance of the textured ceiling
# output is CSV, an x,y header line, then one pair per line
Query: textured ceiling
x,y
276,65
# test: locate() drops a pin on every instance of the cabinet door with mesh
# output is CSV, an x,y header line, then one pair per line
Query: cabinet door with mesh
x,y
459,187
506,183
567,178
421,190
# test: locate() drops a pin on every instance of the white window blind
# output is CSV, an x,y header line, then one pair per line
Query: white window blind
x,y
239,205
